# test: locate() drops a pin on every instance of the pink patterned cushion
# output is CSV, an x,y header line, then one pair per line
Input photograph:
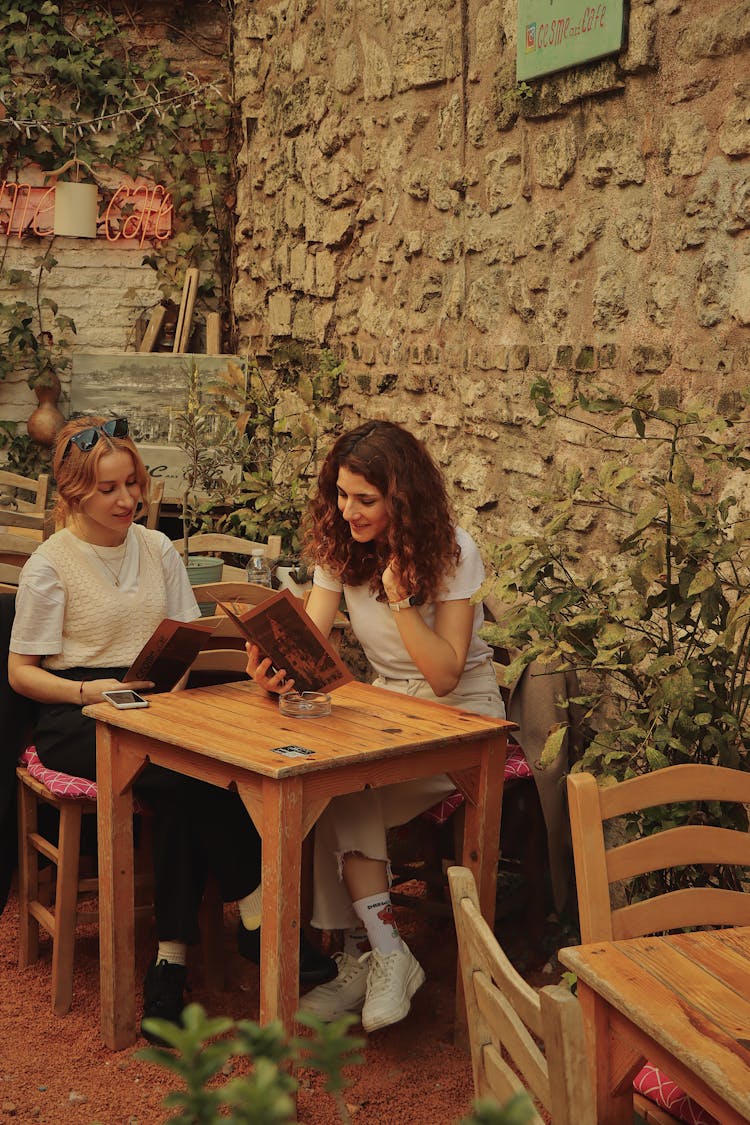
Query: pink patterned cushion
x,y
61,784
516,767
659,1088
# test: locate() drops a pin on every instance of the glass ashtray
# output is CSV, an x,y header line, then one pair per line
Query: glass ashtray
x,y
305,704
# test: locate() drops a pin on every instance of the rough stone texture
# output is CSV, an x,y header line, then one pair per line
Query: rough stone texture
x,y
453,236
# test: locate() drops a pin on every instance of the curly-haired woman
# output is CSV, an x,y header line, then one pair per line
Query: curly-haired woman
x,y
380,531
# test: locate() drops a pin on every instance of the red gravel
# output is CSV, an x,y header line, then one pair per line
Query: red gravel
x,y
57,1070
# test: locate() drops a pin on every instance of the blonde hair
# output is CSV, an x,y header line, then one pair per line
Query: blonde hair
x,y
76,472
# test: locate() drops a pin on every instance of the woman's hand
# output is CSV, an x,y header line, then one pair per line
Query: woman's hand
x,y
392,583
90,691
258,669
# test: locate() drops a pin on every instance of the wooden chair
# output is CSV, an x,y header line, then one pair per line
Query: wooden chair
x,y
53,898
599,866
213,543
520,1039
435,838
218,665
14,551
150,517
37,489
240,596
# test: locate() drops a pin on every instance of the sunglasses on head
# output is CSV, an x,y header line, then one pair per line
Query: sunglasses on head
x,y
87,439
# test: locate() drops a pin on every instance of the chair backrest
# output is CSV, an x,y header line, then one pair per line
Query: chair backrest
x,y
598,866
152,512
213,543
220,660
239,595
37,489
14,551
540,1032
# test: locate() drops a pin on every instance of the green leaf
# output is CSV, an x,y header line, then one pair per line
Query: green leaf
x,y
553,744
703,580
647,515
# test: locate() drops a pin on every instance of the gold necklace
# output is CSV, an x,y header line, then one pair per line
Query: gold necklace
x,y
103,561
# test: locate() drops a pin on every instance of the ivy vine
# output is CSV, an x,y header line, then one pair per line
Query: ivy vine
x,y
73,82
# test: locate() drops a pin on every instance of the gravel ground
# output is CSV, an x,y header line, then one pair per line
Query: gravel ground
x,y
57,1070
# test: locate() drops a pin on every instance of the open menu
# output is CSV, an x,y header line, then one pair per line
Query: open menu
x,y
285,634
169,652
279,627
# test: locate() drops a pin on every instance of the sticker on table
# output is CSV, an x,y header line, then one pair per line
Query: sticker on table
x,y
292,751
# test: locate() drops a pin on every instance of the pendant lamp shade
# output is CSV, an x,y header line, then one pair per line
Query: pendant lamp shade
x,y
76,209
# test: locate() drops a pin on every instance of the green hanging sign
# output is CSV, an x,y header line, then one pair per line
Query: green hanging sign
x,y
555,34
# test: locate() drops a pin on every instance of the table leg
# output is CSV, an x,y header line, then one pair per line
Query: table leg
x,y
482,829
612,1062
116,891
280,925
482,849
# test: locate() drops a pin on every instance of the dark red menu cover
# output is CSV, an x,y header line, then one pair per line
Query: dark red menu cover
x,y
169,652
285,634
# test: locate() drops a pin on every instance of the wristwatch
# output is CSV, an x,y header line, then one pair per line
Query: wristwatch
x,y
405,603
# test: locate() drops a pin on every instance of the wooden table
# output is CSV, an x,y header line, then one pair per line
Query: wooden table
x,y
226,735
680,1002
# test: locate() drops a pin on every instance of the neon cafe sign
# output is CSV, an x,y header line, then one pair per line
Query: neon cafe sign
x,y
136,213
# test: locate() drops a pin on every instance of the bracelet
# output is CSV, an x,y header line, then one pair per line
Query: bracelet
x,y
81,693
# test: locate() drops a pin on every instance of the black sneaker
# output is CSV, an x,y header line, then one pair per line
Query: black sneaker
x,y
163,996
314,966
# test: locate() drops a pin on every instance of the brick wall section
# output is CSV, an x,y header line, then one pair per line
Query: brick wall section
x,y
103,288
401,204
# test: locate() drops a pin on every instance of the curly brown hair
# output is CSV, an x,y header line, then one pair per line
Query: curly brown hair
x,y
420,536
76,472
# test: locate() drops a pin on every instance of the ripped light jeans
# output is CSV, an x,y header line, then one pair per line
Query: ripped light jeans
x,y
358,822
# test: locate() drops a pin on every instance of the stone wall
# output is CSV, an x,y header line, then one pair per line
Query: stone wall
x,y
402,202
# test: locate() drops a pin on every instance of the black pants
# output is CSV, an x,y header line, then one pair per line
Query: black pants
x,y
197,828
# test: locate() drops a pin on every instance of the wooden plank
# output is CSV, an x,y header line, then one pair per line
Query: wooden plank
x,y
213,333
680,1029
153,330
185,316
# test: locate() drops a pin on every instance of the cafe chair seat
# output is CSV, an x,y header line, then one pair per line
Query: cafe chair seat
x,y
656,1086
59,784
516,769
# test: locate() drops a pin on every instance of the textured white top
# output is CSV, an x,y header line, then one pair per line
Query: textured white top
x,y
375,627
69,610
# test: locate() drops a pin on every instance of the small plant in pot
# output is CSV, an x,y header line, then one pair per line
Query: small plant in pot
x,y
211,437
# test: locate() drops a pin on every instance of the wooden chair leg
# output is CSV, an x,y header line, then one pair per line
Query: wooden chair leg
x,y
66,904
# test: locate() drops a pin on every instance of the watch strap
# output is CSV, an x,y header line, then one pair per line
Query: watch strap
x,y
405,603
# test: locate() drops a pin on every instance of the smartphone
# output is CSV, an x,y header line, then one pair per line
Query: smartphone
x,y
124,700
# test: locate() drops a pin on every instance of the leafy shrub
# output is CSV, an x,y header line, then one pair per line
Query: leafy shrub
x,y
658,624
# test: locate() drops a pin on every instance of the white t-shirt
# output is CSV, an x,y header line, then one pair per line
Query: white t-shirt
x,y
40,601
375,626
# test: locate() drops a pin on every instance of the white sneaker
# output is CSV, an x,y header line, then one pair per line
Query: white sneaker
x,y
345,993
392,980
